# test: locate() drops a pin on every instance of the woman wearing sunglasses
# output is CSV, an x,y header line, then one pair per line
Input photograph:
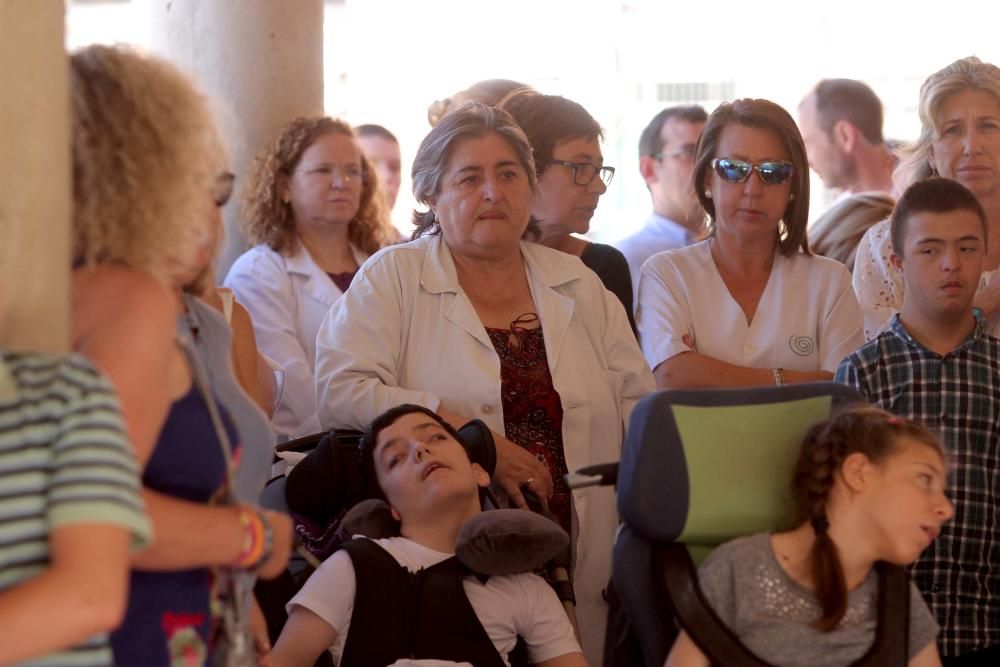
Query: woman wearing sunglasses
x,y
566,144
750,305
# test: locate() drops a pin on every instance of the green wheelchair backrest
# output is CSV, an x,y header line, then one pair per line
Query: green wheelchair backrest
x,y
703,467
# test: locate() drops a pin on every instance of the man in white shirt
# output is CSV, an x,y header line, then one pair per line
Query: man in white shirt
x,y
432,488
666,160
841,124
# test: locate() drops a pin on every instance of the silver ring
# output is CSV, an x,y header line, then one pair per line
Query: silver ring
x,y
529,481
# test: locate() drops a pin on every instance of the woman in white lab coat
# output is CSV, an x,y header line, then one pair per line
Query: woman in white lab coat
x,y
474,322
313,216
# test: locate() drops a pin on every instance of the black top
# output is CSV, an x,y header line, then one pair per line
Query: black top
x,y
612,268
402,614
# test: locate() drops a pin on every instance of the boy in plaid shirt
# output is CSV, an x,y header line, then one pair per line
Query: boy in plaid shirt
x,y
936,365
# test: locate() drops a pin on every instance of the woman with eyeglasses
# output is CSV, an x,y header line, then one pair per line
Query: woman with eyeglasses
x,y
472,321
959,139
566,144
145,224
313,215
750,305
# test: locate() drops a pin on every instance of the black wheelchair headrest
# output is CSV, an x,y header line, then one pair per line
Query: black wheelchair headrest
x,y
330,480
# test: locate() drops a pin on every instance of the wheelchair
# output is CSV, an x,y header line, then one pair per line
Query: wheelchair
x,y
699,468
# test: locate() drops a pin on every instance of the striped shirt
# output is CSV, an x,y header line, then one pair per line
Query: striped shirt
x,y
957,396
64,460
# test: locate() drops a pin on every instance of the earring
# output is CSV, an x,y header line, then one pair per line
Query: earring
x,y
791,197
708,194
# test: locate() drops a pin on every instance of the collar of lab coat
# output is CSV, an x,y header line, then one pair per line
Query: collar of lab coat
x,y
547,270
315,281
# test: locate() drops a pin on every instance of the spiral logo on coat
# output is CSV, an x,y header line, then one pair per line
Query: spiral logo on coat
x,y
802,345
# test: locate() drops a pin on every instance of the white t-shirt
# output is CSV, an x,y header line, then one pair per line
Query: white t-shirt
x,y
507,606
808,318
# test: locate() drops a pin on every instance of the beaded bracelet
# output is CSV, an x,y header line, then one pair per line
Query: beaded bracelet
x,y
254,538
267,546
779,377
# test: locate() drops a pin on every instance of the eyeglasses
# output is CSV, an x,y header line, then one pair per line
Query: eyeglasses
x,y
222,190
584,172
687,151
771,172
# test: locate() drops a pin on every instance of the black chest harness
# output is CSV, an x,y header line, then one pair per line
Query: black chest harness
x,y
418,615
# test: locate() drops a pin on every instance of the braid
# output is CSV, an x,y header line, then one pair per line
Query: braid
x,y
823,452
863,430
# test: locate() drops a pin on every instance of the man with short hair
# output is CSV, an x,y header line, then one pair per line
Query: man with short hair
x,y
936,365
425,474
841,124
666,162
381,148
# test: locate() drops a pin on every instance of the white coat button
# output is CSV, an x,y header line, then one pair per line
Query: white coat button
x,y
487,409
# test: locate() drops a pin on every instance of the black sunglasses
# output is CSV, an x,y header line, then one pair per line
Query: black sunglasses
x,y
222,189
771,172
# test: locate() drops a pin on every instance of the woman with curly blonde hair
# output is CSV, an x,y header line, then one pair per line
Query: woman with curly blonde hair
x,y
147,186
313,214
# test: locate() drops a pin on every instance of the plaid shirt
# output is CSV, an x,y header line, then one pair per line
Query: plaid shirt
x,y
958,397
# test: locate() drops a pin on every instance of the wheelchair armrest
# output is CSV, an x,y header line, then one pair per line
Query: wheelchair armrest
x,y
602,474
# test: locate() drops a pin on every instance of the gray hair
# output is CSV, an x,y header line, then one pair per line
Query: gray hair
x,y
471,121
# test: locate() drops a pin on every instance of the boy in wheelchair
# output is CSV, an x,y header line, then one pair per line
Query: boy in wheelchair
x,y
377,601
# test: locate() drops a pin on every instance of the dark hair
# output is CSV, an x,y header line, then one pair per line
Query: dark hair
x,y
859,429
372,130
548,120
488,92
369,439
765,115
651,139
850,100
932,195
472,121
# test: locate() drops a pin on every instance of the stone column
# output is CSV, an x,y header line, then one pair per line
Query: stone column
x,y
262,63
35,188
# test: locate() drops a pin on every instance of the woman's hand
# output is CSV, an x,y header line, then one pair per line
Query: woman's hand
x,y
281,545
517,467
989,299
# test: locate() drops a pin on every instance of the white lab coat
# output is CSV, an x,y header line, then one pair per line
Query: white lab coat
x,y
287,297
407,333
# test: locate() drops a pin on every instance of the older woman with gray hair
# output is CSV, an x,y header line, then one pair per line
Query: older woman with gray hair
x,y
959,139
472,321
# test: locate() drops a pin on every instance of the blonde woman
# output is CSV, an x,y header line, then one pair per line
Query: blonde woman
x,y
313,215
146,163
959,139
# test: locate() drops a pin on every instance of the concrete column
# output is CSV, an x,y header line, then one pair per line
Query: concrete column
x,y
35,189
260,60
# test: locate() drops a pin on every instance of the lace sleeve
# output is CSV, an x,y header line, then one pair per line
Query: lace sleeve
x,y
876,281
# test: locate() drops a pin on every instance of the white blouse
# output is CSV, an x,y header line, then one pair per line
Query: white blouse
x,y
807,319
879,285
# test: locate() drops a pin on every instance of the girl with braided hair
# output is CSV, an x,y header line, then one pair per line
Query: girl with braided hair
x,y
867,487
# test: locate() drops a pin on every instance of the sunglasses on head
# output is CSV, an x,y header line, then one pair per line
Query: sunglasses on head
x,y
771,172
